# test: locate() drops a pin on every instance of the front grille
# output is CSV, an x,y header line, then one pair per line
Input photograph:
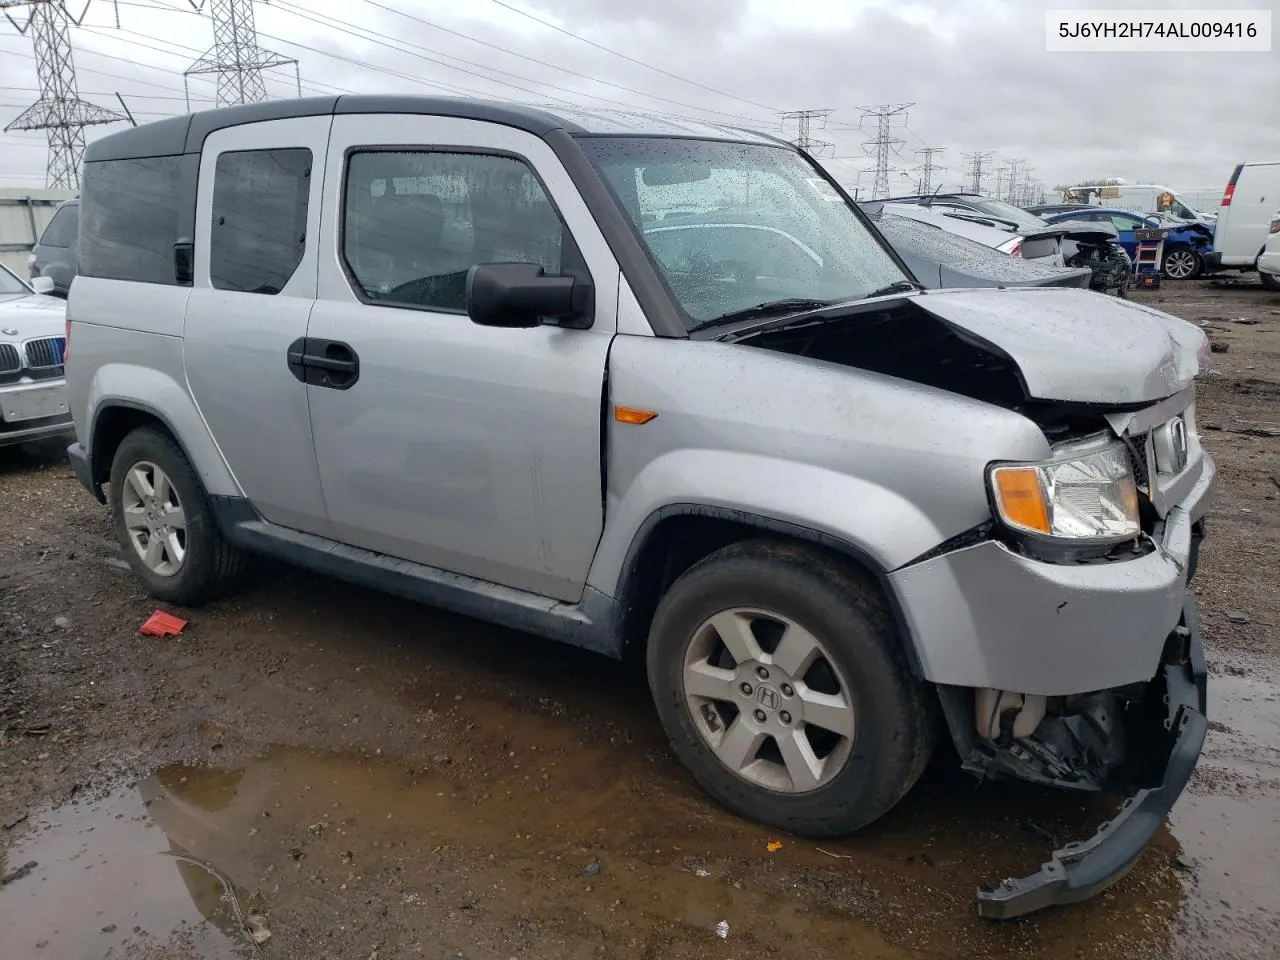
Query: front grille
x,y
45,353
9,360
1138,460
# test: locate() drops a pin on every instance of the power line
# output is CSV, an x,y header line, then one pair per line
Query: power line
x,y
235,58
616,53
883,143
58,111
803,119
976,163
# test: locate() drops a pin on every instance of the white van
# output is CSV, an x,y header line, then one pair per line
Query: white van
x,y
1138,197
1251,198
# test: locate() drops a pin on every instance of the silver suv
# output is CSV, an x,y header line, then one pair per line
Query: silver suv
x,y
651,386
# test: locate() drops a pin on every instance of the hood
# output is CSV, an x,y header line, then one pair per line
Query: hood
x,y
1075,345
30,316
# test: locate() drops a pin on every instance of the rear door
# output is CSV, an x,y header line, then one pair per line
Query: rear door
x,y
472,449
254,284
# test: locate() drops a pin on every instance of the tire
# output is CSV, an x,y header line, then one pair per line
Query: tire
x,y
892,721
1186,263
1269,281
209,566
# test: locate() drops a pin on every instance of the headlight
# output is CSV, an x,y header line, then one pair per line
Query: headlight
x,y
1082,498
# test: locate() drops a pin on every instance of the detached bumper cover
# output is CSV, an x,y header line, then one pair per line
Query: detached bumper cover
x,y
1083,869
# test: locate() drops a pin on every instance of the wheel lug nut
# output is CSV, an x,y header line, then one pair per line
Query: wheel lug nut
x,y
785,717
786,690
760,717
746,689
762,673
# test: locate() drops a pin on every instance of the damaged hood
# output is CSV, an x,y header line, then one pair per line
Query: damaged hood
x,y
1075,345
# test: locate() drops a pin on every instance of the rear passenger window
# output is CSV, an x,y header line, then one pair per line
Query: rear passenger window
x,y
259,229
129,213
62,229
416,222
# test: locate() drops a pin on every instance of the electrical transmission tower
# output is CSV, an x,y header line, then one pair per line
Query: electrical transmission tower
x,y
928,169
1012,182
803,119
977,163
235,57
59,111
883,144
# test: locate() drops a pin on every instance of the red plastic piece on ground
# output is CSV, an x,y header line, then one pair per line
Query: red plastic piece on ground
x,y
161,624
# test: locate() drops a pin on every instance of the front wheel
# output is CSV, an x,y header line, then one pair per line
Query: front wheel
x,y
783,686
1270,281
1181,263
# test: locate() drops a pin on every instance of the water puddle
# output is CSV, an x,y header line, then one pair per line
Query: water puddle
x,y
1228,822
536,840
106,883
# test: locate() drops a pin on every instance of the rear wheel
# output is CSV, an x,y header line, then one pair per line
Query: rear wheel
x,y
1181,263
163,520
782,683
1269,281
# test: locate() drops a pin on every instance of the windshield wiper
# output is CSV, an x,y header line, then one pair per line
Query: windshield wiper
x,y
767,309
898,286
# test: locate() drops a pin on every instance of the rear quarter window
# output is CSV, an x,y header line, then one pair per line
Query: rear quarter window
x,y
129,218
62,229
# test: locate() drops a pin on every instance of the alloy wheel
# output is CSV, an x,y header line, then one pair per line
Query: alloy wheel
x,y
1180,264
154,518
767,698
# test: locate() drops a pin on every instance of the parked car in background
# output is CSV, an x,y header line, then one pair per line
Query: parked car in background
x,y
1022,235
54,255
1139,198
1269,262
445,348
1185,251
1251,197
941,259
33,393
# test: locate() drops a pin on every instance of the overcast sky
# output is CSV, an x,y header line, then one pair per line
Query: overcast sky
x,y
975,70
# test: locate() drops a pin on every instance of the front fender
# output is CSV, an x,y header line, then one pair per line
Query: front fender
x,y
886,529
154,392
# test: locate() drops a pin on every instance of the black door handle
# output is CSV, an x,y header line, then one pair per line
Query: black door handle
x,y
323,363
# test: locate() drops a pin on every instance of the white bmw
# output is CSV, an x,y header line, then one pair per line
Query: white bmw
x,y
33,393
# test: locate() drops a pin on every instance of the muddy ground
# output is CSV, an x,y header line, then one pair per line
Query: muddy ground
x,y
364,778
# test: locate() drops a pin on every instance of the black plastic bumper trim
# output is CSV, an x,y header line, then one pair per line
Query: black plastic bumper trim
x,y
79,458
1082,869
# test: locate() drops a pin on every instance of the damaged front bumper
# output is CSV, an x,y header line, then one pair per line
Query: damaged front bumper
x,y
1082,869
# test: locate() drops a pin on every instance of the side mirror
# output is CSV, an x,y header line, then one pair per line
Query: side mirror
x,y
522,295
42,285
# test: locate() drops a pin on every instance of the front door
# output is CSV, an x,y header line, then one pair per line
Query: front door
x,y
254,283
472,449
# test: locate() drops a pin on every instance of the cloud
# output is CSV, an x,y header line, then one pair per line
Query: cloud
x,y
976,72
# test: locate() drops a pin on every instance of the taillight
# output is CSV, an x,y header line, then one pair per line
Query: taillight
x,y
1016,249
1275,225
1231,185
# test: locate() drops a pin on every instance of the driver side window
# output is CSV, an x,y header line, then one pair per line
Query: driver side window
x,y
415,222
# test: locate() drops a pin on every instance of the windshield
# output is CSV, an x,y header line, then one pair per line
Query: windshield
x,y
9,284
998,208
732,226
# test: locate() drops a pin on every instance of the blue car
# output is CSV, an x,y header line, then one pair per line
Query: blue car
x,y
1184,250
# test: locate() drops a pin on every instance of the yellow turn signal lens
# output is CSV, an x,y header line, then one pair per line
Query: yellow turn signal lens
x,y
633,415
1020,498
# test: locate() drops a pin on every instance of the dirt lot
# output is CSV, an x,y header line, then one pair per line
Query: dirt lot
x,y
375,779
